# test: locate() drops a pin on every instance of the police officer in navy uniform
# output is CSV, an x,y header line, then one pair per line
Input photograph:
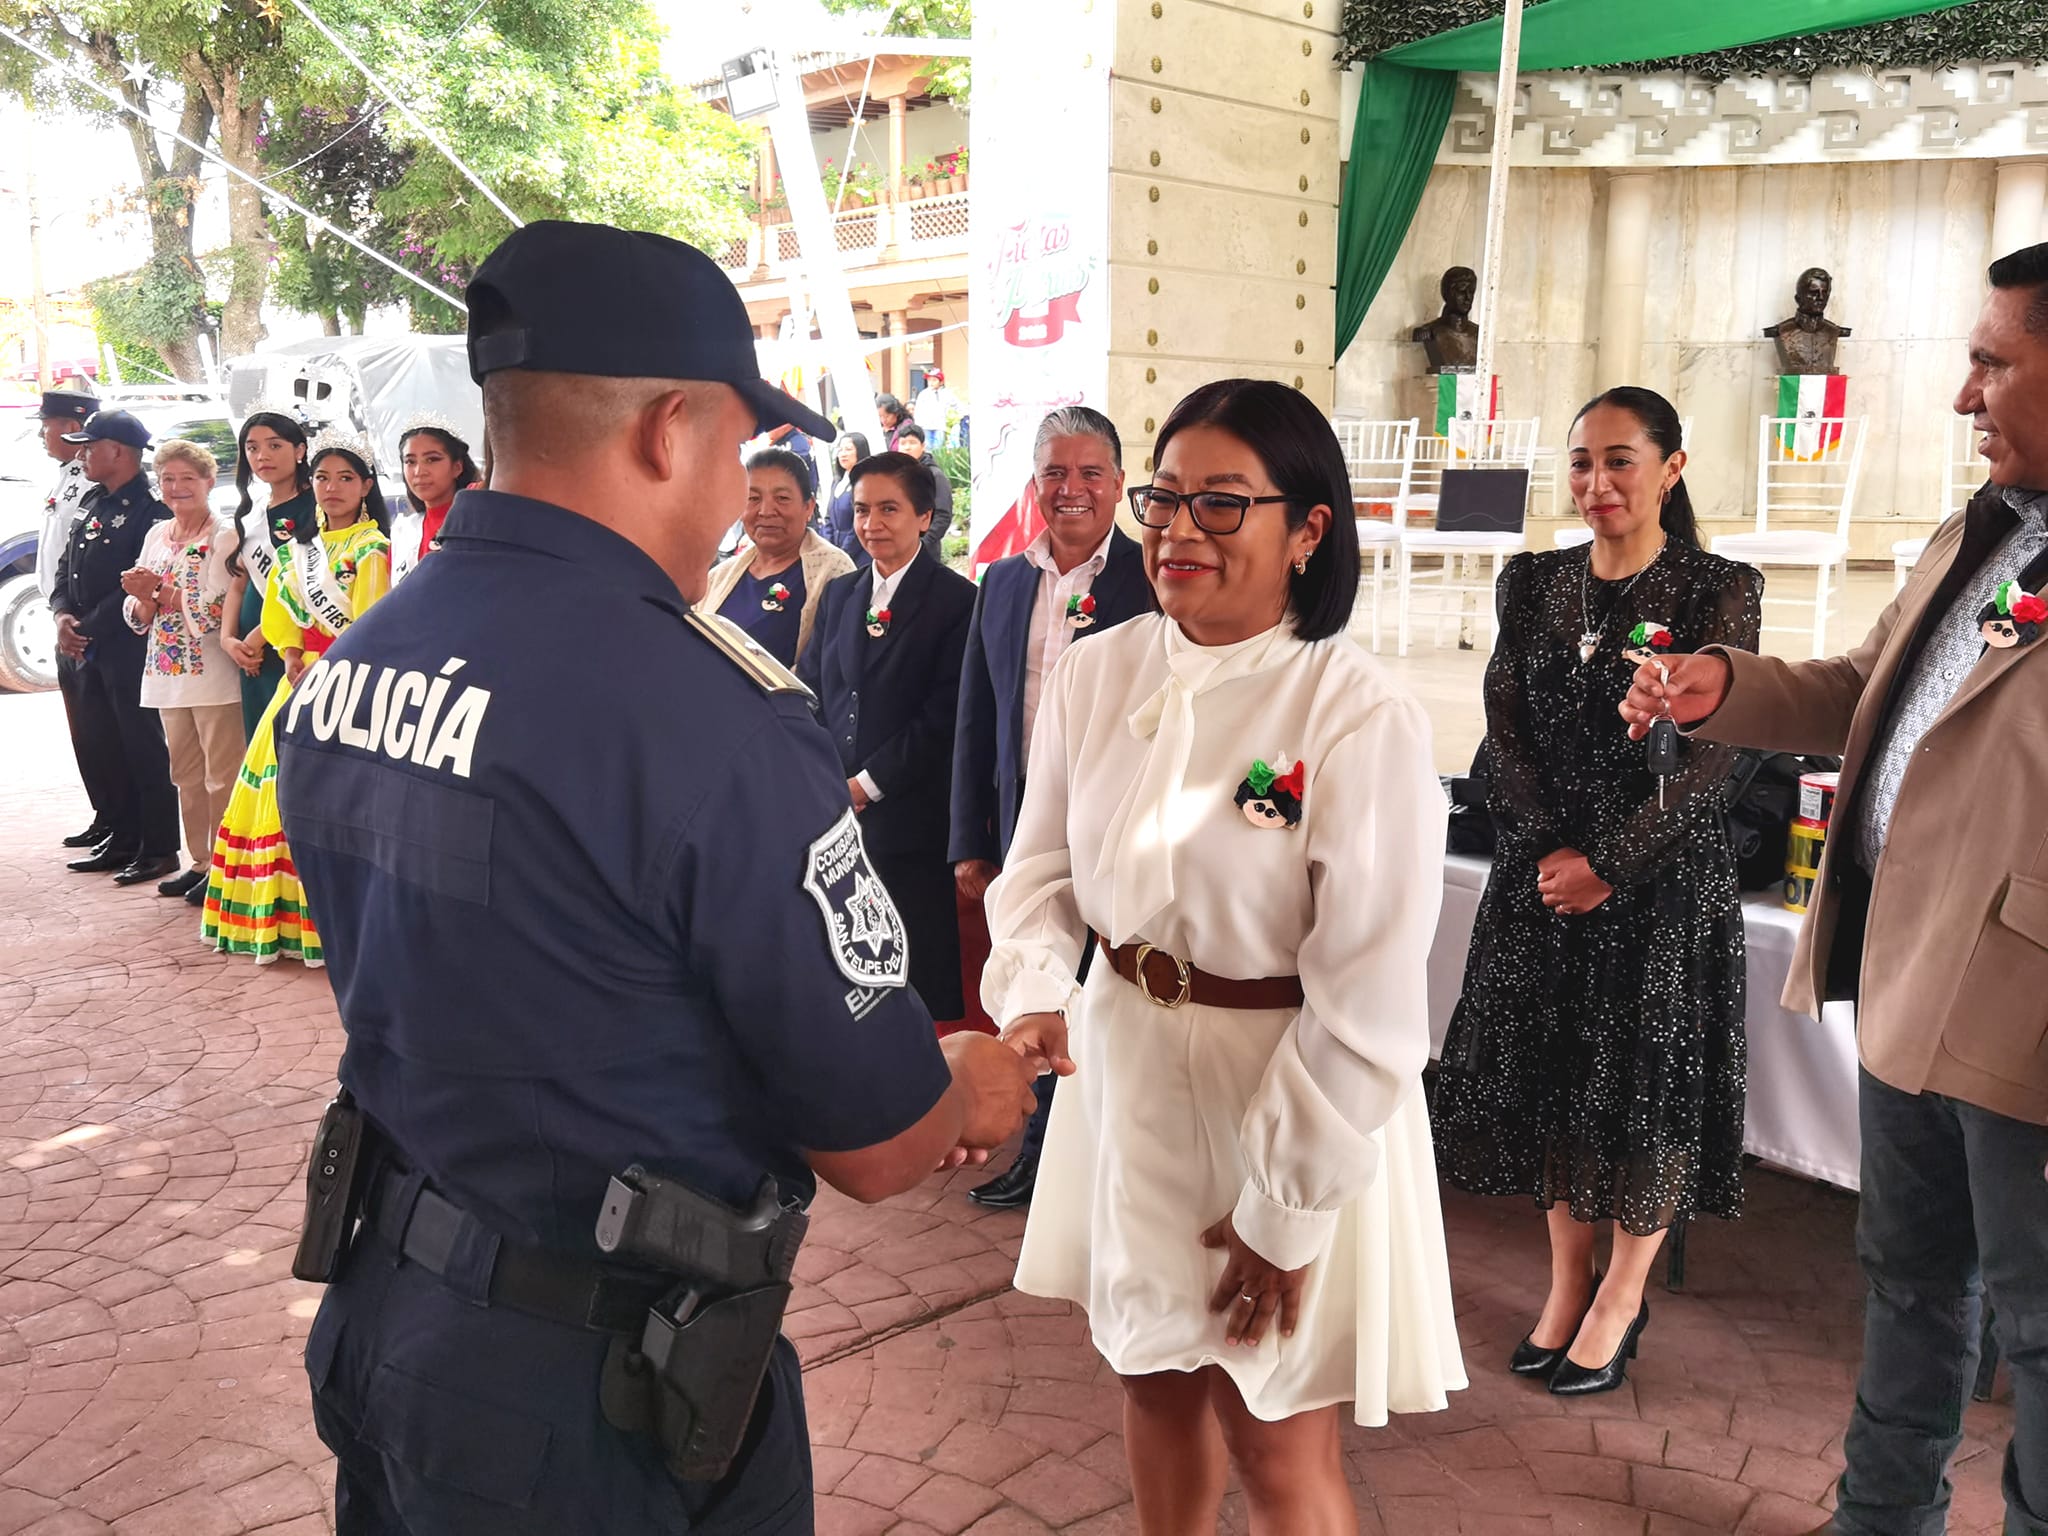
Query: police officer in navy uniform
x,y
589,902
122,741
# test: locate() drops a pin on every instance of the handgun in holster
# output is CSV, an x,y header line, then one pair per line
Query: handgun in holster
x,y
692,1378
336,1182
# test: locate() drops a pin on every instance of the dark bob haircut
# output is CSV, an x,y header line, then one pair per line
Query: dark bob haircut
x,y
907,472
1302,458
794,465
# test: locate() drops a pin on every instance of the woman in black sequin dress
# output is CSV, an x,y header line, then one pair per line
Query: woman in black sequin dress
x,y
1596,1060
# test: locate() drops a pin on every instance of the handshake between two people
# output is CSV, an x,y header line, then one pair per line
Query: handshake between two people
x,y
996,1078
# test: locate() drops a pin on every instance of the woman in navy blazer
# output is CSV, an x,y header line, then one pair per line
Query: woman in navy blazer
x,y
851,449
884,661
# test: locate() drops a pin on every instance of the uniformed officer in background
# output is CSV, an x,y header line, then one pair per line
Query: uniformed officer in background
x,y
588,903
66,410
122,742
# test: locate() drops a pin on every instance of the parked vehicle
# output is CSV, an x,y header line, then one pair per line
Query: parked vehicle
x,y
28,635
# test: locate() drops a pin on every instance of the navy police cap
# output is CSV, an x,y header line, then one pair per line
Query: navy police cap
x,y
112,426
67,405
559,297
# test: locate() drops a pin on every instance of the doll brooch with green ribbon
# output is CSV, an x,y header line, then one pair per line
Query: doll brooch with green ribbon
x,y
1270,799
878,622
1081,610
1646,642
2014,616
777,599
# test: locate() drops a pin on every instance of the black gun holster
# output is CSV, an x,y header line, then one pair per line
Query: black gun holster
x,y
692,1376
692,1379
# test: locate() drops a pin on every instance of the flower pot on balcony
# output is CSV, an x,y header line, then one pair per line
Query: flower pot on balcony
x,y
945,186
959,181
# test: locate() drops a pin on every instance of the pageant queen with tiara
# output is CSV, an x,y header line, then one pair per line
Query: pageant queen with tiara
x,y
325,573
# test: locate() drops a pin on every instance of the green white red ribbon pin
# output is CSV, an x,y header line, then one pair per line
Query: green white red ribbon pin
x,y
1081,610
878,622
778,599
1646,642
2013,617
1271,800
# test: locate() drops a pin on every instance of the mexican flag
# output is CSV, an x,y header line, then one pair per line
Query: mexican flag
x,y
1812,398
1464,397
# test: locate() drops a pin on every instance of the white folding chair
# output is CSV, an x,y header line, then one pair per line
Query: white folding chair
x,y
1805,465
1572,535
1469,445
1962,471
1380,457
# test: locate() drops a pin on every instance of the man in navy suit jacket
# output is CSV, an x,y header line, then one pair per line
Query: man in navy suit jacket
x,y
884,660
1079,577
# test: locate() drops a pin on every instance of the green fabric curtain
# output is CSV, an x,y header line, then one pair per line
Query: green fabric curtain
x,y
1405,103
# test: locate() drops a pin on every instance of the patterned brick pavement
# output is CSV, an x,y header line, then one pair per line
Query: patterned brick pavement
x,y
154,1102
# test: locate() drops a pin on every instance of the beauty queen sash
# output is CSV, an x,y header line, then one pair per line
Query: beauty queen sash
x,y
305,574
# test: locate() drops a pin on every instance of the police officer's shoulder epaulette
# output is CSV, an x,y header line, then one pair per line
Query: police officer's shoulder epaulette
x,y
744,652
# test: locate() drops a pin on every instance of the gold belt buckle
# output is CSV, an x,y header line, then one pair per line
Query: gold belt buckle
x,y
1181,971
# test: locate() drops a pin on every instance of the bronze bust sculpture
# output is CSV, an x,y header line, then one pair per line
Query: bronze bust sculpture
x,y
1806,342
1452,340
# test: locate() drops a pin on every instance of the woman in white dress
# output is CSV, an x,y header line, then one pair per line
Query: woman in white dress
x,y
1239,1187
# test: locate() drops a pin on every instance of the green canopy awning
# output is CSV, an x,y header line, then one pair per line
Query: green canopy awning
x,y
1405,103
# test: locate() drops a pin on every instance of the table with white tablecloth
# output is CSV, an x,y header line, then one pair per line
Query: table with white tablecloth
x,y
1802,1071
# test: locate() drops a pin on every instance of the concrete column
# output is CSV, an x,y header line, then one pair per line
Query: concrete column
x,y
899,355
899,111
2022,193
1627,279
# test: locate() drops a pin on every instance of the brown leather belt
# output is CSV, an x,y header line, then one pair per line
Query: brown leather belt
x,y
1170,981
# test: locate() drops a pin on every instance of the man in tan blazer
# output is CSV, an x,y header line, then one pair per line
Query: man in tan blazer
x,y
1931,912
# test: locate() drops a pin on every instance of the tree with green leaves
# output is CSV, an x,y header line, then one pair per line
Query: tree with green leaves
x,y
215,63
920,18
559,106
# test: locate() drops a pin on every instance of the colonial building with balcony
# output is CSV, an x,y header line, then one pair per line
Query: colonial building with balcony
x,y
896,168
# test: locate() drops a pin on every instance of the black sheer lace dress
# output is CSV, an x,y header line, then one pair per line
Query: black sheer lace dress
x,y
1599,1059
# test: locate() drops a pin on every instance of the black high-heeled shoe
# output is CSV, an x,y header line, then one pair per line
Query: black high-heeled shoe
x,y
1532,1359
1575,1380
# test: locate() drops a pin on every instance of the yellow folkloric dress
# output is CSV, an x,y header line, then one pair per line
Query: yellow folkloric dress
x,y
254,902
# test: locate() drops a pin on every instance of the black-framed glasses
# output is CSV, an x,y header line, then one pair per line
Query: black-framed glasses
x,y
1214,512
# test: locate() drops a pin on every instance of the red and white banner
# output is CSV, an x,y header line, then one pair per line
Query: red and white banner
x,y
1040,310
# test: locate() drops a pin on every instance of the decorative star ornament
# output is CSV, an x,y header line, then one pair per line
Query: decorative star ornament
x,y
270,11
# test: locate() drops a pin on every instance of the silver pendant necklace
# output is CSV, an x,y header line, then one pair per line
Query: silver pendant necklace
x,y
1589,639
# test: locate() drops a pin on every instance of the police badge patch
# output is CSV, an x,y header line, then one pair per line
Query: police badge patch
x,y
869,942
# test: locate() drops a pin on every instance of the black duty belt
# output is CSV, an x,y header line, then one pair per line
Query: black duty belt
x,y
435,1232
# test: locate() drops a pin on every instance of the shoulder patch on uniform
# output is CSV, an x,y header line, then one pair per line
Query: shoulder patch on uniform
x,y
741,649
870,943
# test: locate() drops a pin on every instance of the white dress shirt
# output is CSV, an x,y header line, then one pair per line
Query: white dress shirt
x,y
881,593
1131,831
60,511
1051,634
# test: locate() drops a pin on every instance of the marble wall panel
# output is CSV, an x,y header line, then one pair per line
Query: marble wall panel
x,y
1908,242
